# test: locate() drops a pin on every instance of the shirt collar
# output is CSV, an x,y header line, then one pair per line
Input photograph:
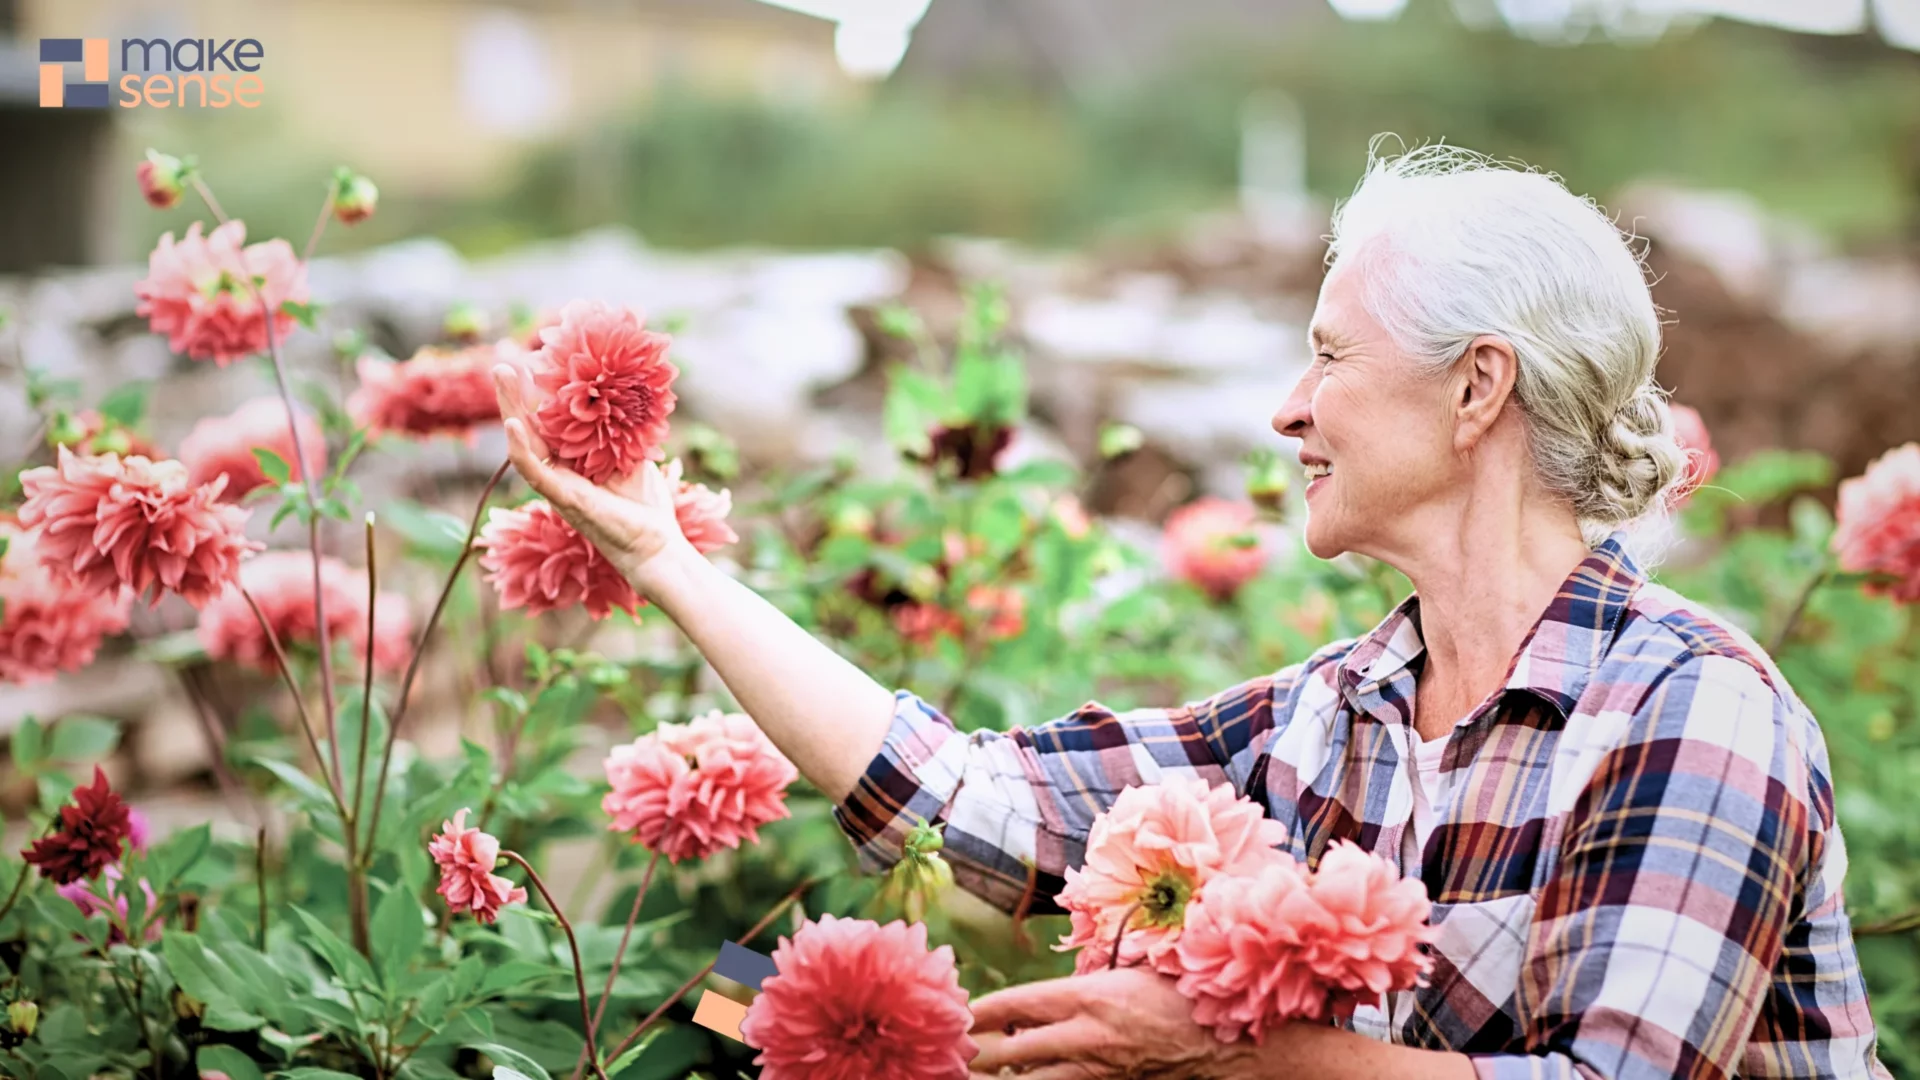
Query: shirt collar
x,y
1558,656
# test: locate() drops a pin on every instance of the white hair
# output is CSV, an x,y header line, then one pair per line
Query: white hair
x,y
1457,245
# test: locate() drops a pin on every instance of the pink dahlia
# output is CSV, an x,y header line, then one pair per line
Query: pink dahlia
x,y
196,292
854,1000
83,896
281,582
1241,960
224,445
1702,462
701,512
46,625
537,561
689,790
1878,526
1364,929
609,390
1211,542
139,829
438,392
1147,855
466,858
108,523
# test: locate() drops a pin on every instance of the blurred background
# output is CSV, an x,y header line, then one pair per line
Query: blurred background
x,y
1149,180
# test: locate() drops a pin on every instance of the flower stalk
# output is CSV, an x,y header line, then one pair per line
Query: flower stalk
x,y
579,976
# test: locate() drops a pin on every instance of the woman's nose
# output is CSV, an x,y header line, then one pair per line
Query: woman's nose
x,y
1297,411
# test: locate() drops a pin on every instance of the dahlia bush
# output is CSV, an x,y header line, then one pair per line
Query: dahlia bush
x,y
547,899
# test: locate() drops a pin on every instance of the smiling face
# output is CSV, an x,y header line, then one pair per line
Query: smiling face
x,y
1375,433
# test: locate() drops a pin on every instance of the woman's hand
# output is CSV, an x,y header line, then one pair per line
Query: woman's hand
x,y
1128,1022
630,520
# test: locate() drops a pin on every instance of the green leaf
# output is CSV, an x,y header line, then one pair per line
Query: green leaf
x,y
177,854
350,966
318,798
179,647
633,1052
515,975
308,1072
513,1059
214,1057
126,404
429,532
273,465
304,314
914,404
398,931
29,745
83,739
207,978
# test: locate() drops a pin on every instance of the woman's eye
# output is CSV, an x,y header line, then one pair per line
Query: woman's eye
x,y
1326,358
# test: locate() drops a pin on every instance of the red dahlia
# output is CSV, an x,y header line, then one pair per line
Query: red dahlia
x,y
93,829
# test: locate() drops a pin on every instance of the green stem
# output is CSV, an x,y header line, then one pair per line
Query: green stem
x,y
420,650
613,972
579,972
685,987
1787,628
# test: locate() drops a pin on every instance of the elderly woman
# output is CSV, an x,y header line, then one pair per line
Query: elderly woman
x,y
1620,809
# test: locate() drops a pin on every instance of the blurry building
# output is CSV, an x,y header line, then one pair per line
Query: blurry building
x,y
430,96
1072,44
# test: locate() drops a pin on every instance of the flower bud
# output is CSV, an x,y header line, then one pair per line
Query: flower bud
x,y
465,323
924,838
851,519
66,429
1267,480
916,881
354,197
162,179
23,1017
923,582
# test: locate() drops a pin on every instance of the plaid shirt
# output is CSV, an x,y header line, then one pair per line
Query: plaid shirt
x,y
1636,870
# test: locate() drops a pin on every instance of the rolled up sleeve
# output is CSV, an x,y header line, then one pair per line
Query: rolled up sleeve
x,y
1017,805
1653,943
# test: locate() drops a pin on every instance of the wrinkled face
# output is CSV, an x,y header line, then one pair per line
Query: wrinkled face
x,y
1375,435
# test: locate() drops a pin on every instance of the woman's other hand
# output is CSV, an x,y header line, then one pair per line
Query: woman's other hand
x,y
1128,1022
630,520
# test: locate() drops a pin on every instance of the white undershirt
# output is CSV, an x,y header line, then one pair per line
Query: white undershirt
x,y
1429,796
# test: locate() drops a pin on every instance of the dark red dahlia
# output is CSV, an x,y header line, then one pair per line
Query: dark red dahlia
x,y
92,833
973,450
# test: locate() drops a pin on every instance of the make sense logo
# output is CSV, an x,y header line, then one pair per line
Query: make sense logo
x,y
205,72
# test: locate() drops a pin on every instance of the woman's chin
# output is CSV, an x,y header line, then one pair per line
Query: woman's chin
x,y
1321,539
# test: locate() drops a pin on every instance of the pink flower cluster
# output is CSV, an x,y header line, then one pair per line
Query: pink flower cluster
x,y
689,790
854,1000
437,392
200,292
1702,461
224,445
537,561
109,523
1878,524
1211,543
1190,880
47,627
281,583
466,858
1147,856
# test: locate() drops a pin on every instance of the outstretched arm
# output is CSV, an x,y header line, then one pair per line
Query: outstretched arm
x,y
823,713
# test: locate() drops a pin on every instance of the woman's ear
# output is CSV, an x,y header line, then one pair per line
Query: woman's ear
x,y
1484,379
